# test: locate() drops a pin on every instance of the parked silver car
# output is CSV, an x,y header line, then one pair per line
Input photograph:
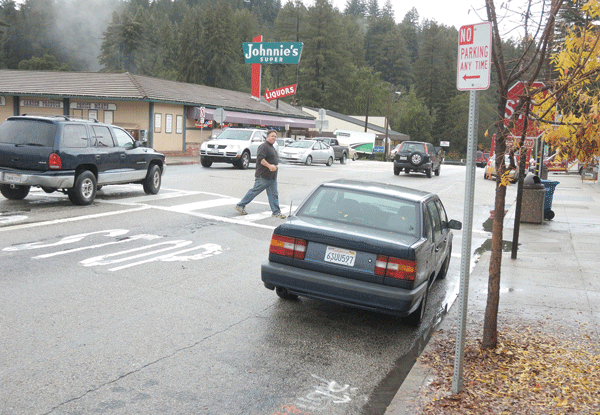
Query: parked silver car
x,y
307,152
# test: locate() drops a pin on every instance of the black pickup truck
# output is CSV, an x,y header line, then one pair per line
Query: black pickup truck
x,y
341,152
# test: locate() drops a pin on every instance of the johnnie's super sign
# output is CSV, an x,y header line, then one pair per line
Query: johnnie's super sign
x,y
272,52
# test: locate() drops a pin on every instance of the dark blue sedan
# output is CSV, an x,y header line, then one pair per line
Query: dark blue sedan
x,y
369,245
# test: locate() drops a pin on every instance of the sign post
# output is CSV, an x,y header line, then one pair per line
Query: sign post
x,y
473,74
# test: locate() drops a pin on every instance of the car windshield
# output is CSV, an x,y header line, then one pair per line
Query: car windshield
x,y
301,144
230,134
28,132
412,147
363,209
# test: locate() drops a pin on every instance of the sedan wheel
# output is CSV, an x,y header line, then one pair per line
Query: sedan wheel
x,y
330,161
416,317
284,294
308,161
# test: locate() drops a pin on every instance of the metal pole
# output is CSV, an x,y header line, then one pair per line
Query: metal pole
x,y
387,125
457,380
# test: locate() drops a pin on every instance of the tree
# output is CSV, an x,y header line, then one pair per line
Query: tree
x,y
191,68
219,51
576,95
355,8
413,118
325,61
535,47
45,63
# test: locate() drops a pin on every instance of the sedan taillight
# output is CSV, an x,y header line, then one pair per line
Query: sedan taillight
x,y
287,246
401,269
54,162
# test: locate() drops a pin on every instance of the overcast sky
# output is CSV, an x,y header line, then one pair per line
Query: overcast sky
x,y
455,13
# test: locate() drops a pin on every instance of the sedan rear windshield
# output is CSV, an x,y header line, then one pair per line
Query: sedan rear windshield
x,y
28,133
363,209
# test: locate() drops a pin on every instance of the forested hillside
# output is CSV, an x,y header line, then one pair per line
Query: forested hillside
x,y
353,60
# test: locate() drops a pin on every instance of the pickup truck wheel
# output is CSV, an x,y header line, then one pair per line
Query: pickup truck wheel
x,y
329,161
14,193
308,161
84,190
244,161
343,158
205,163
152,180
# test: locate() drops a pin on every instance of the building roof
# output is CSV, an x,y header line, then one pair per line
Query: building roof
x,y
126,86
356,121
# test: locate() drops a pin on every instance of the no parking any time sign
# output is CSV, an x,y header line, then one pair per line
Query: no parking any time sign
x,y
474,57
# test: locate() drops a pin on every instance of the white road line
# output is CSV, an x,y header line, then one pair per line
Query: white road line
x,y
205,204
75,219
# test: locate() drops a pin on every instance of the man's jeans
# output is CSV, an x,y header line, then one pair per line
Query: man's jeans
x,y
261,184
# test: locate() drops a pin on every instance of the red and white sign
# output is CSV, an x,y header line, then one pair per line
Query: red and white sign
x,y
512,98
284,91
474,57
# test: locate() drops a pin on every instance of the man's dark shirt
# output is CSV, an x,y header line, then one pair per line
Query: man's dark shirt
x,y
266,151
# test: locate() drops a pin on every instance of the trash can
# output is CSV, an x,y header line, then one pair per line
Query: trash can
x,y
550,186
532,204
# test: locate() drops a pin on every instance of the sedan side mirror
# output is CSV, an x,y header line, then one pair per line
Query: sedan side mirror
x,y
454,224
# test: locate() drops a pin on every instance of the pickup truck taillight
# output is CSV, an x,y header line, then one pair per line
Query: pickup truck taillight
x,y
54,162
287,246
401,269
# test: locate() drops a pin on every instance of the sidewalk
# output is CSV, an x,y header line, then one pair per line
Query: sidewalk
x,y
183,159
555,278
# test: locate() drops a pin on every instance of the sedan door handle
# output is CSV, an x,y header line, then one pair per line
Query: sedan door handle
x,y
97,156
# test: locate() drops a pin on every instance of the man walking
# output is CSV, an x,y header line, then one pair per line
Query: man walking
x,y
265,177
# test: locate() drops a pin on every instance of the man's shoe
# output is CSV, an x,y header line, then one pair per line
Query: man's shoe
x,y
279,215
241,209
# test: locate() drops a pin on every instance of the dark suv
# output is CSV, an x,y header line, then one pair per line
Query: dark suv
x,y
73,156
417,156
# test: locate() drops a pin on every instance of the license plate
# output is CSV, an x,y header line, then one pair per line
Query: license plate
x,y
403,158
12,177
340,256
213,150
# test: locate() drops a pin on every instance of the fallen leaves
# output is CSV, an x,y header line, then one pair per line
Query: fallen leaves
x,y
530,372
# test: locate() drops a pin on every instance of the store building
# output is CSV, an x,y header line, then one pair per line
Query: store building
x,y
165,114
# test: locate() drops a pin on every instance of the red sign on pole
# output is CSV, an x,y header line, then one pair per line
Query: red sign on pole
x,y
284,91
512,98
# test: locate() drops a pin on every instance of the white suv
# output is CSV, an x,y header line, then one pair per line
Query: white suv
x,y
237,146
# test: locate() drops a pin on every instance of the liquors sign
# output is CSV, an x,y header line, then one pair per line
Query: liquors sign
x,y
272,52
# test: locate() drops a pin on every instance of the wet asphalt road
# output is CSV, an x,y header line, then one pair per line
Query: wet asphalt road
x,y
154,304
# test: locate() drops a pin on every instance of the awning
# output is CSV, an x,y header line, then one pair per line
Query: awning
x,y
254,119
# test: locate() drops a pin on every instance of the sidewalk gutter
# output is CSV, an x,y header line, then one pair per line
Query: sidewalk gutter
x,y
534,286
